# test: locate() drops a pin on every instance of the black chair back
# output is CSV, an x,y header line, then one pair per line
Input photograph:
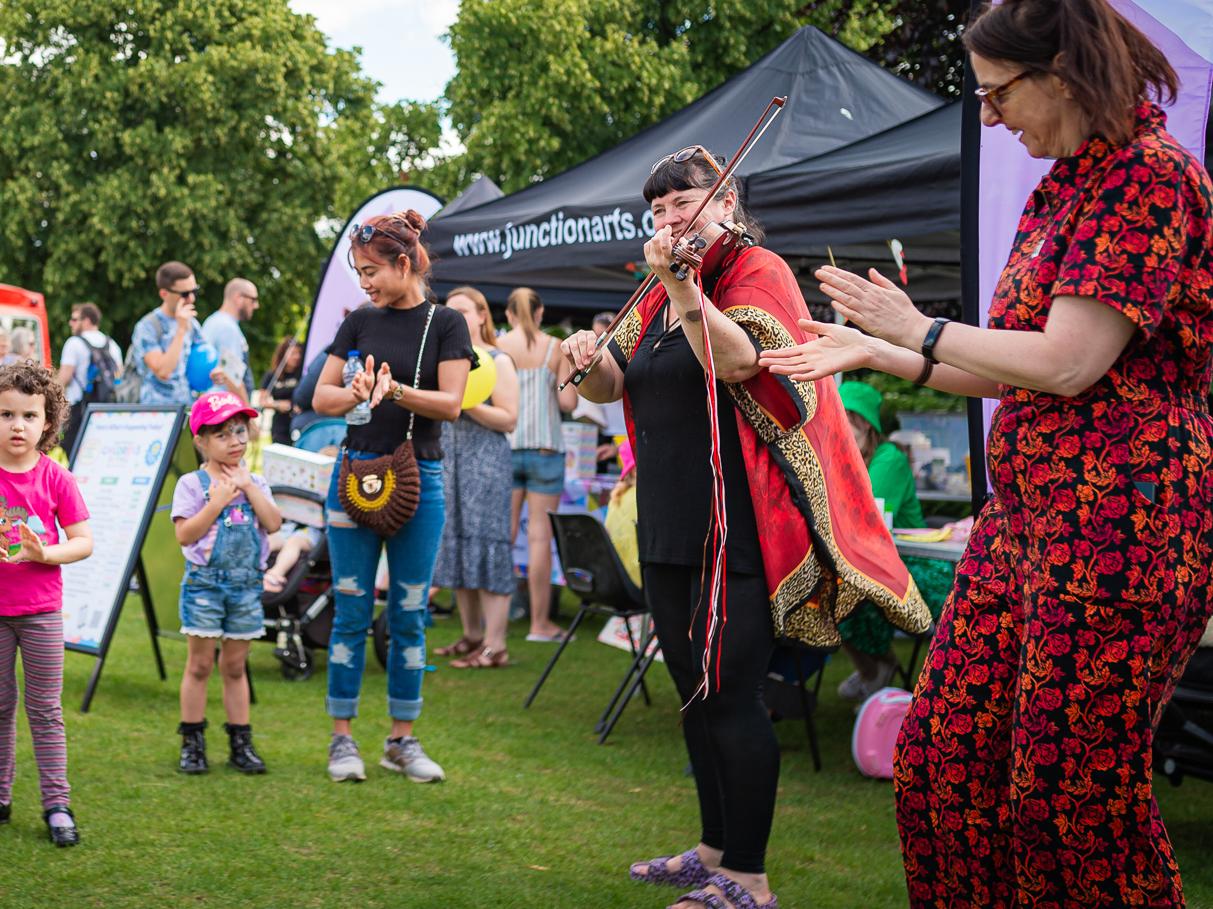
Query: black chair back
x,y
591,565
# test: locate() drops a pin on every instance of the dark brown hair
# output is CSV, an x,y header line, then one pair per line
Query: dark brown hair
x,y
1105,61
523,303
396,235
170,273
694,173
88,311
30,379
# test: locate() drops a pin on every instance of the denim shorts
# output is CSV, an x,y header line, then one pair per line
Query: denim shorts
x,y
218,602
537,470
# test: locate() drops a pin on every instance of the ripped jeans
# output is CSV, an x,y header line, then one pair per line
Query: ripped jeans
x,y
354,554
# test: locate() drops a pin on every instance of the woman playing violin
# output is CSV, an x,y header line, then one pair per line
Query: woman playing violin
x,y
796,578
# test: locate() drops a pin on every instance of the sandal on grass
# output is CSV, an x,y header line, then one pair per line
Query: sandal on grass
x,y
484,658
691,873
735,895
461,647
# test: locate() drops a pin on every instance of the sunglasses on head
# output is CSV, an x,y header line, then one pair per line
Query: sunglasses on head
x,y
686,154
364,233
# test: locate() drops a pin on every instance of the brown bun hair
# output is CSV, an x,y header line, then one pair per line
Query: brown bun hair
x,y
396,235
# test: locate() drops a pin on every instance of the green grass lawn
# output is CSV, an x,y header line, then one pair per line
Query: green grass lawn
x,y
533,813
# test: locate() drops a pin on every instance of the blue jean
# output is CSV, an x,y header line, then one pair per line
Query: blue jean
x,y
354,554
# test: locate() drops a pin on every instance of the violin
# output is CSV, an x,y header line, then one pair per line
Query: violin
x,y
701,251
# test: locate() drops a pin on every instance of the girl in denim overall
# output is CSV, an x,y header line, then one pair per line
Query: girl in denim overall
x,y
222,514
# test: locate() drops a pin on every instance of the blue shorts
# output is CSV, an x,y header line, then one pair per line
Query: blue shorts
x,y
217,602
538,470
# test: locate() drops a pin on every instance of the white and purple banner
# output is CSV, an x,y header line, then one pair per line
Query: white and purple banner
x,y
1183,31
339,293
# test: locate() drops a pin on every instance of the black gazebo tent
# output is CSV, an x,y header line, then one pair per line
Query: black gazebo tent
x,y
572,235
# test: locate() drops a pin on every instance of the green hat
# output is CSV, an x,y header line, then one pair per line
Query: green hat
x,y
864,400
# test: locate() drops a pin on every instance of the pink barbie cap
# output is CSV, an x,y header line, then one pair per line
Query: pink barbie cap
x,y
217,407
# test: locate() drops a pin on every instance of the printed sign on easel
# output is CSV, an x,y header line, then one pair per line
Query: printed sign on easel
x,y
119,462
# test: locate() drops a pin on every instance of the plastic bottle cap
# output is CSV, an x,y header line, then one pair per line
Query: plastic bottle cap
x,y
353,353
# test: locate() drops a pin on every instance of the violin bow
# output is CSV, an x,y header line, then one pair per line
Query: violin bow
x,y
756,133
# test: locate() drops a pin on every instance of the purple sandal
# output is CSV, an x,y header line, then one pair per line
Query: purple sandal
x,y
738,897
691,874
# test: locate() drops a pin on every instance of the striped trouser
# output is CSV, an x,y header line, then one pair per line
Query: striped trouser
x,y
40,638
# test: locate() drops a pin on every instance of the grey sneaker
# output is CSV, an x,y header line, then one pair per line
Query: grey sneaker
x,y
406,756
851,688
344,761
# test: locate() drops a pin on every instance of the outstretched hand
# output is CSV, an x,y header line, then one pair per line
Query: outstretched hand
x,y
875,304
835,349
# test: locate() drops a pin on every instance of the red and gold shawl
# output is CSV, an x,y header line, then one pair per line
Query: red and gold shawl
x,y
825,547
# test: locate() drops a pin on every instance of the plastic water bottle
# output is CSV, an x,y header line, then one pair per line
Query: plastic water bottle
x,y
362,412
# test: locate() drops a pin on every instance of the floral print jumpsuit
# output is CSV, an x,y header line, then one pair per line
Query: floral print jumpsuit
x,y
1023,769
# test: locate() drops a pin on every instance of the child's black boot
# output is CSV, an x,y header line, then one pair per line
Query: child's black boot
x,y
244,757
193,748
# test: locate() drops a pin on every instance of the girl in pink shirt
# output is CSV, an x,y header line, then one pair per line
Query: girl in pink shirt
x,y
36,494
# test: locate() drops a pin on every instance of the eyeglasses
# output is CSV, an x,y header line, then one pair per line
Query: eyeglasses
x,y
364,233
686,154
192,292
993,96
252,297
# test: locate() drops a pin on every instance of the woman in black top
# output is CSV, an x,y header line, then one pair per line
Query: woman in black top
x,y
286,367
401,329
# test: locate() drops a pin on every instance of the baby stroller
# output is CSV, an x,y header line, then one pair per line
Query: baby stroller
x,y
1183,745
299,617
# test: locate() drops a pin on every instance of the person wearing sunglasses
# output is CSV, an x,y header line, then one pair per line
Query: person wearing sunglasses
x,y
795,534
417,357
1024,767
162,339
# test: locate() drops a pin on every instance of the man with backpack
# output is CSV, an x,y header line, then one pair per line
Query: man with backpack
x,y
89,367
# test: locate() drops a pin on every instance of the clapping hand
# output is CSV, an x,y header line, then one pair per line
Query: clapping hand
x,y
835,349
31,547
878,306
363,383
383,384
223,489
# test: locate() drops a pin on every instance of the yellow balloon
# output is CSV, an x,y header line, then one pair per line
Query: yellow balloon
x,y
481,380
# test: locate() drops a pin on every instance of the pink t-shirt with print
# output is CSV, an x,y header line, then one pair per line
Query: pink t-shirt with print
x,y
41,497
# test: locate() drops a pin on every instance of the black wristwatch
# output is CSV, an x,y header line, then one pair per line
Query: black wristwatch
x,y
932,338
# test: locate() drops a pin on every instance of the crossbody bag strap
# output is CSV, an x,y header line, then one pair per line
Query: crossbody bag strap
x,y
429,317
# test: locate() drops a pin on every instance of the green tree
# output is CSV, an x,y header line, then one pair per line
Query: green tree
x,y
210,131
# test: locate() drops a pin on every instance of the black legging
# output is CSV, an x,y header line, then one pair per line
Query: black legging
x,y
732,744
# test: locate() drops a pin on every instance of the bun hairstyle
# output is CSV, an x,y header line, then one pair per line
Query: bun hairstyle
x,y
524,305
694,173
396,235
487,336
1108,65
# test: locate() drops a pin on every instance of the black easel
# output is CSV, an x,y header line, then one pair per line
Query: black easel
x,y
140,586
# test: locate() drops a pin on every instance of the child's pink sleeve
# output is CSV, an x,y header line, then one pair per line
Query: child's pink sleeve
x,y
69,507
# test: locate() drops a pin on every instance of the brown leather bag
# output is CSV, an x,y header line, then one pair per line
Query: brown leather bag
x,y
383,493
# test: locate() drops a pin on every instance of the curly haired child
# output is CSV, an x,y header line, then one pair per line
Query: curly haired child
x,y
36,494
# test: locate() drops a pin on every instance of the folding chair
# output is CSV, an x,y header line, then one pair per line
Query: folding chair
x,y
593,571
796,665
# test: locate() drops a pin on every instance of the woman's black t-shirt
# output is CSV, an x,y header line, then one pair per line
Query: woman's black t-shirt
x,y
665,386
393,336
282,390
